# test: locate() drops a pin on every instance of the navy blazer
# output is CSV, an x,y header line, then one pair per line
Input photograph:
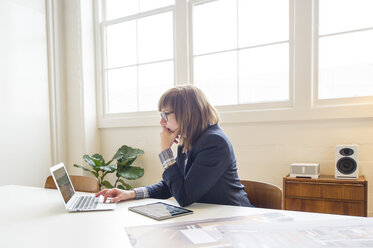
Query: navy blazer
x,y
210,175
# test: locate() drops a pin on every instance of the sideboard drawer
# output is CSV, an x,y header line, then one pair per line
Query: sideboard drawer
x,y
326,190
328,207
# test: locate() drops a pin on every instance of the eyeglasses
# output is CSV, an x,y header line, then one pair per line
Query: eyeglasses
x,y
165,114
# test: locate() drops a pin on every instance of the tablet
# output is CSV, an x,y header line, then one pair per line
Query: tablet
x,y
160,210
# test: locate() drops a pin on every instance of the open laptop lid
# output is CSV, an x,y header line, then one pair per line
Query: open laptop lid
x,y
63,182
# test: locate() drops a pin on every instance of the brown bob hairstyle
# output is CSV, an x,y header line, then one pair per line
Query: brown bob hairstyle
x,y
192,110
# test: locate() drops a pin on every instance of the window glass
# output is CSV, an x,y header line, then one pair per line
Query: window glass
x,y
264,74
139,54
346,65
261,70
216,76
344,15
155,37
261,22
345,59
122,90
121,8
214,26
121,45
154,80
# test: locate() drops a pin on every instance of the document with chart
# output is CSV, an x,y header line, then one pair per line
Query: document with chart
x,y
264,230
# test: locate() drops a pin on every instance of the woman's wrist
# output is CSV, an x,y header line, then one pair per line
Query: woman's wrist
x,y
132,194
166,144
163,148
141,193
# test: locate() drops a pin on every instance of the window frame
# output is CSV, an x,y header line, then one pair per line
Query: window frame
x,y
343,101
303,104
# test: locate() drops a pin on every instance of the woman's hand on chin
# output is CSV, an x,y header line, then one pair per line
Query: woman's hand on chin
x,y
168,138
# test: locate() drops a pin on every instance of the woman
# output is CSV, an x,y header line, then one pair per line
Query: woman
x,y
205,167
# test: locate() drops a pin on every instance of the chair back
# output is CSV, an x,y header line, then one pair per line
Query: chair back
x,y
263,195
80,183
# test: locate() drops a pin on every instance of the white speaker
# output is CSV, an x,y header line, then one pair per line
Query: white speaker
x,y
305,170
346,162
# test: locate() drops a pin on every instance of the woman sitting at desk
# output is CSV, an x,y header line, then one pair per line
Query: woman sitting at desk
x,y
205,167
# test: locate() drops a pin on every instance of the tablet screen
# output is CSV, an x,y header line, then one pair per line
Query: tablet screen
x,y
160,210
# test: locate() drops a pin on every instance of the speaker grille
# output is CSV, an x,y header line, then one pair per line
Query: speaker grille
x,y
346,165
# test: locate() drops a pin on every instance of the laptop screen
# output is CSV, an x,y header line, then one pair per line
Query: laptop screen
x,y
64,183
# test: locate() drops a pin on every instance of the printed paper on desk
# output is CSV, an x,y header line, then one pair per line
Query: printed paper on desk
x,y
197,236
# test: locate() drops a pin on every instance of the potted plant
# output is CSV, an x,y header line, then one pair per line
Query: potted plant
x,y
124,157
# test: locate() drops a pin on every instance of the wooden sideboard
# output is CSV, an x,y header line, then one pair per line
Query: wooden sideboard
x,y
326,195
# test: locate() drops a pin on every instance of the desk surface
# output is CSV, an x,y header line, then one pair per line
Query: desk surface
x,y
37,217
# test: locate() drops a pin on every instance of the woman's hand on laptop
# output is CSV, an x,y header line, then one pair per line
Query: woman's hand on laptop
x,y
117,195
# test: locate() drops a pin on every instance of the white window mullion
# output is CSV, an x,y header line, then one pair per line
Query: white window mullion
x,y
238,55
291,52
102,7
137,67
315,54
181,46
302,63
190,41
100,72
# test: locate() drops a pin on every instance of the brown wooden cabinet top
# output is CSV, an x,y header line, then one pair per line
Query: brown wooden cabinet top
x,y
327,179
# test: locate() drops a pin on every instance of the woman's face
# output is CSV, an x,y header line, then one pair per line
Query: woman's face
x,y
168,120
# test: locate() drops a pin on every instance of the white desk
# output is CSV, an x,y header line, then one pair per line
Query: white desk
x,y
36,217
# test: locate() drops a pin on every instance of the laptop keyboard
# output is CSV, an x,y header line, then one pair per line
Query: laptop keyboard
x,y
85,203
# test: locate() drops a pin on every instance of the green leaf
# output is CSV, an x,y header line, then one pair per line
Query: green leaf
x,y
126,152
126,185
98,159
131,172
123,163
120,186
110,171
109,168
107,184
94,161
85,169
89,160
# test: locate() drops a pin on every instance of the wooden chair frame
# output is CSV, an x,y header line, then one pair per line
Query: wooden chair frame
x,y
263,195
80,183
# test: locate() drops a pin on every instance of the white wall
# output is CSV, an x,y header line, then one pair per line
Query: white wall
x,y
24,102
264,150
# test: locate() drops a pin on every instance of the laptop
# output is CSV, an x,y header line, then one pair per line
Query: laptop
x,y
72,201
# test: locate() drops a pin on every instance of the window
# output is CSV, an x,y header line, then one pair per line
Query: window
x,y
138,53
241,51
345,48
256,60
